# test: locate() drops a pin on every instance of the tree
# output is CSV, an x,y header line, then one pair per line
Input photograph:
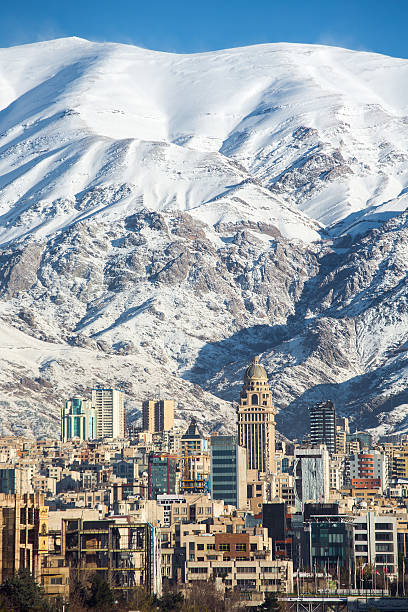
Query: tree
x,y
21,593
271,603
170,602
101,596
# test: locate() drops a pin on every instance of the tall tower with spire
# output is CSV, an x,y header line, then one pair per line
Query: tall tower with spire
x,y
256,419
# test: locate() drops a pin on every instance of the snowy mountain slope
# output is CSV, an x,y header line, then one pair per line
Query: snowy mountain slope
x,y
163,217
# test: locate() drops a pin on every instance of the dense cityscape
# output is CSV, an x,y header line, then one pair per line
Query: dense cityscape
x,y
160,510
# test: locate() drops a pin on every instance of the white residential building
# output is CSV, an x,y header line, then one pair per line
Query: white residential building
x,y
375,542
110,413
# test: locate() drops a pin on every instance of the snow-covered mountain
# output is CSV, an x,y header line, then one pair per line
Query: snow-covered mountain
x,y
163,217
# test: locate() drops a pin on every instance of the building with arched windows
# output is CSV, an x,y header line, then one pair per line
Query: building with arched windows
x,y
256,419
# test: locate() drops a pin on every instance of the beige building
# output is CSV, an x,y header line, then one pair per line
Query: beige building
x,y
256,419
242,560
110,413
23,534
158,415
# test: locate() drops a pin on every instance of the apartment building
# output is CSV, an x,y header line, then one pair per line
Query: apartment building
x,y
110,413
323,425
158,415
368,470
375,541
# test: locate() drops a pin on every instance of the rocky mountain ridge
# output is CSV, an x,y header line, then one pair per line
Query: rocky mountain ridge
x,y
160,223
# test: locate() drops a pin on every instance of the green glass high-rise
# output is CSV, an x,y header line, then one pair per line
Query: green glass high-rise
x,y
78,420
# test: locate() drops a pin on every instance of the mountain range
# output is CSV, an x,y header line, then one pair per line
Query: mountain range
x,y
165,217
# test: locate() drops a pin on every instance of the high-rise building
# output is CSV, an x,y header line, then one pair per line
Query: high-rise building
x,y
323,425
162,474
256,419
312,476
158,415
78,420
228,470
110,413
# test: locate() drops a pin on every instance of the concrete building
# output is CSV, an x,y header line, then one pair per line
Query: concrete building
x,y
228,470
256,419
14,479
158,415
161,474
78,420
368,470
312,476
193,441
358,440
124,554
323,425
400,462
336,471
375,542
23,534
241,561
110,413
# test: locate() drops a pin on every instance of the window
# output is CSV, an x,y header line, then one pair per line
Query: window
x,y
361,537
200,546
384,537
200,559
254,400
240,547
383,526
246,570
210,546
224,547
384,547
56,580
246,583
198,570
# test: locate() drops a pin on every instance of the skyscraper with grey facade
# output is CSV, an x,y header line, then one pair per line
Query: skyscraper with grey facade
x,y
323,425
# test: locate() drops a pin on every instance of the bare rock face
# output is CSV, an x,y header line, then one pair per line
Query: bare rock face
x,y
18,269
159,241
196,303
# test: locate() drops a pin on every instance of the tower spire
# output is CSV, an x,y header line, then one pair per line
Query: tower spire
x,y
256,419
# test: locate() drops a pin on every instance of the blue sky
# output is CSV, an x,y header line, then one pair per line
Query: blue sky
x,y
202,25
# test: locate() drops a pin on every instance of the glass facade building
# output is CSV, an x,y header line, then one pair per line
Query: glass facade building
x,y
228,470
162,475
323,425
78,420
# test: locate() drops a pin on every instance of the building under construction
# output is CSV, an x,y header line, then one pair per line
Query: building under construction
x,y
23,533
124,554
